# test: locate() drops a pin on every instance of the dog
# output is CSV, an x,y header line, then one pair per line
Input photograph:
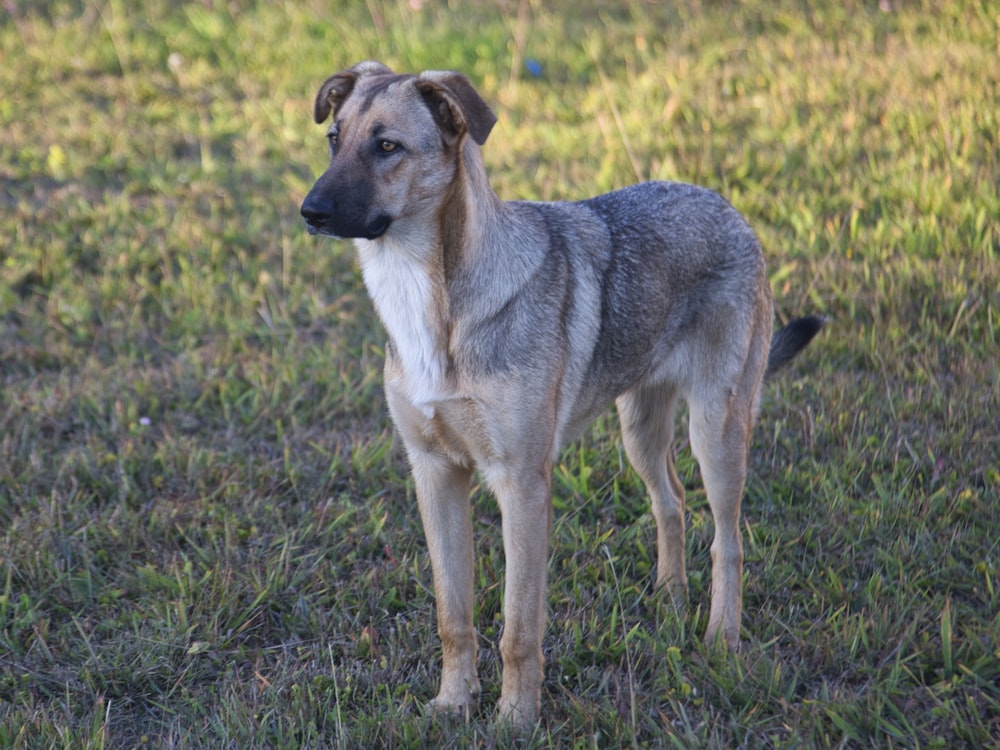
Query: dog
x,y
511,325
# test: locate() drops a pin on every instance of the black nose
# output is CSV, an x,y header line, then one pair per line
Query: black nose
x,y
313,212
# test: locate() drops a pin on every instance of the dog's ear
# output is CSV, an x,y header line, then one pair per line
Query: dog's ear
x,y
456,105
339,86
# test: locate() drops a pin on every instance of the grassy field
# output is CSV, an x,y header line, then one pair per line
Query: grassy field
x,y
207,535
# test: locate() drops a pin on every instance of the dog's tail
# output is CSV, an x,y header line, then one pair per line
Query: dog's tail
x,y
789,340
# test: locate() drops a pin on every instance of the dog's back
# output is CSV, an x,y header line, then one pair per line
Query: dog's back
x,y
643,281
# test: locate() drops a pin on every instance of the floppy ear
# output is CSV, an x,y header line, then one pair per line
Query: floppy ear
x,y
456,105
339,86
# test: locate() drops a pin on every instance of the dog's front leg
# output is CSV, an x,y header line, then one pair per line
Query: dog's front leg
x,y
443,496
525,504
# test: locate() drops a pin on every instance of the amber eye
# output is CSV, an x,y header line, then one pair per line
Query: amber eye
x,y
387,147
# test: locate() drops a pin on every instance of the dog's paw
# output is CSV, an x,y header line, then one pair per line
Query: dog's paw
x,y
457,701
674,594
519,715
719,637
438,707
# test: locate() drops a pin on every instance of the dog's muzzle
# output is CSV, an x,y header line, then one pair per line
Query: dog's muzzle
x,y
333,218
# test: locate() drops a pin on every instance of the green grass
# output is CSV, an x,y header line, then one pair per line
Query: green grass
x,y
207,536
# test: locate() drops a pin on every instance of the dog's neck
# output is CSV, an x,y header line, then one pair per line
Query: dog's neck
x,y
487,254
408,298
417,277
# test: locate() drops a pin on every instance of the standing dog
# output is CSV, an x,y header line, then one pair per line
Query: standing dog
x,y
513,324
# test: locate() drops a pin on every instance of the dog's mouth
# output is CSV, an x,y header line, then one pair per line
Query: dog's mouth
x,y
370,231
378,227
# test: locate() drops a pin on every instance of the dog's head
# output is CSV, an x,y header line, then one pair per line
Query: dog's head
x,y
395,141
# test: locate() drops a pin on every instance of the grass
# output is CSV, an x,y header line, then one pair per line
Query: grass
x,y
207,538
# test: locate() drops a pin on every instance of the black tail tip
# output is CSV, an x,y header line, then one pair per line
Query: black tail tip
x,y
805,328
792,338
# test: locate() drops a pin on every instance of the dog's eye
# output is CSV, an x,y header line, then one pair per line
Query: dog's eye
x,y
387,147
332,137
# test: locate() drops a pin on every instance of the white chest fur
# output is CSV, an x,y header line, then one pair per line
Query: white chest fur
x,y
404,296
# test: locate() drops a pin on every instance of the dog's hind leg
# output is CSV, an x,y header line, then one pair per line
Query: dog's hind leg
x,y
445,509
647,419
720,435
